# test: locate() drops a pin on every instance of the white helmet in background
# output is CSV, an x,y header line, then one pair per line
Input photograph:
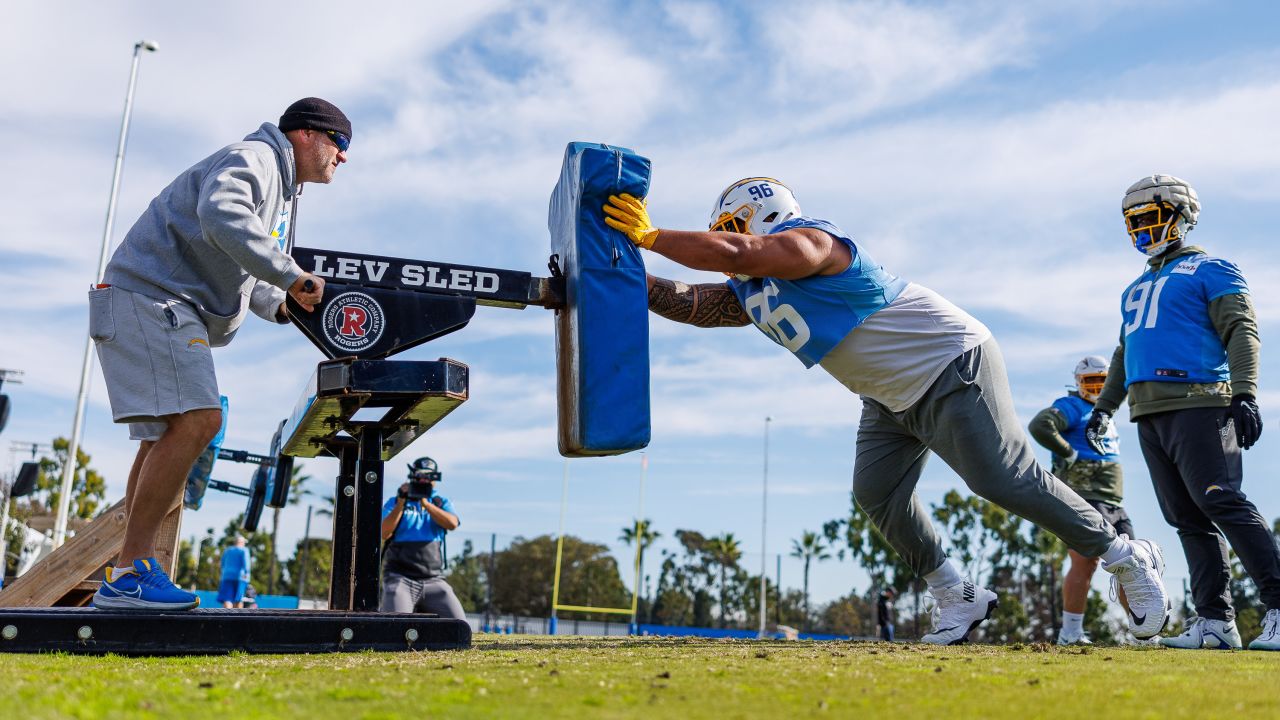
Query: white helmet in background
x,y
754,206
1091,375
1159,210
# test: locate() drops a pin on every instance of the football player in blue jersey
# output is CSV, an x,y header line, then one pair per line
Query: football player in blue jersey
x,y
931,379
1095,476
1188,361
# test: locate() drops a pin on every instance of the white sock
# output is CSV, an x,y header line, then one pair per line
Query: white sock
x,y
1072,623
945,576
1119,549
120,571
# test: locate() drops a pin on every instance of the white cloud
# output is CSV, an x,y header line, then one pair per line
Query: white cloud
x,y
838,61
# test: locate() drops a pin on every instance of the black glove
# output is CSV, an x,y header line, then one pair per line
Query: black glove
x,y
1248,421
1096,431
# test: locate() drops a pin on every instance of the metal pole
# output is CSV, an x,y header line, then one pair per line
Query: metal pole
x,y
764,526
777,592
302,561
488,586
555,586
642,529
69,468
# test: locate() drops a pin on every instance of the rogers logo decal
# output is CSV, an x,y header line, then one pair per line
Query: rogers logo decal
x,y
353,321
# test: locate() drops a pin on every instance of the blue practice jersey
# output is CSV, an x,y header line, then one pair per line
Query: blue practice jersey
x,y
416,525
812,315
235,564
1076,411
1169,336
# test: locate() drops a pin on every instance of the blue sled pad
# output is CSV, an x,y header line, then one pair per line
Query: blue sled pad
x,y
602,335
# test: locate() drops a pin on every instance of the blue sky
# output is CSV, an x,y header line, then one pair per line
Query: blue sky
x,y
980,149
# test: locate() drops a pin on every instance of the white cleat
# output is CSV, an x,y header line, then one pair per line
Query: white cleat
x,y
1270,637
1139,575
1207,634
1065,639
958,609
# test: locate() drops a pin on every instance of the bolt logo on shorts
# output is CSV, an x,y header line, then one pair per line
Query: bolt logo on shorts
x,y
353,321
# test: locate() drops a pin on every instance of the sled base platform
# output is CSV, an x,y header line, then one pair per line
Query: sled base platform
x,y
216,631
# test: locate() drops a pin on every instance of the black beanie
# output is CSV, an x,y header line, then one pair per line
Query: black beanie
x,y
312,113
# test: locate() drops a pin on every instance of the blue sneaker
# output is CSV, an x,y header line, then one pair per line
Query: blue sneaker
x,y
146,588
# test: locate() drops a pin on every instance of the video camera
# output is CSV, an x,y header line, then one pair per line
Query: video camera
x,y
422,473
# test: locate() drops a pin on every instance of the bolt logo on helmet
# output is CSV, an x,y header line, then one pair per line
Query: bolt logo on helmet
x,y
1091,375
1159,211
754,205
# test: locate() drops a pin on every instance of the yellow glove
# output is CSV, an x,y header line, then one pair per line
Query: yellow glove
x,y
627,215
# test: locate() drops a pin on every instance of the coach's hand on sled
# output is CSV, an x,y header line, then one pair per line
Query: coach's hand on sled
x,y
308,289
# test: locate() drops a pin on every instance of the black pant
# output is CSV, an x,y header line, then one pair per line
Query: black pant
x,y
1196,468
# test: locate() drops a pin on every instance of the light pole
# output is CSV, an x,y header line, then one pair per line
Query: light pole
x,y
764,526
69,468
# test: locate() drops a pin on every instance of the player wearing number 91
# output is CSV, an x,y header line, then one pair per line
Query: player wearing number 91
x,y
1188,360
930,376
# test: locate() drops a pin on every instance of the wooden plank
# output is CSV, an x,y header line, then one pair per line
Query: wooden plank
x,y
168,537
79,596
65,568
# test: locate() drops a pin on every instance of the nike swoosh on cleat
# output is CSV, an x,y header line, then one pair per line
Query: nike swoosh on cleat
x,y
1137,620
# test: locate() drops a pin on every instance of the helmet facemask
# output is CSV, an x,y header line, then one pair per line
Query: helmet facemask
x,y
1090,386
1091,376
1155,227
734,222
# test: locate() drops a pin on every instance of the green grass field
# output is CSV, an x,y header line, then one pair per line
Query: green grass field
x,y
546,677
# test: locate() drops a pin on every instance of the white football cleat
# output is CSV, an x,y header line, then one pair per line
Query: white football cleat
x,y
1270,637
1081,638
958,609
1139,575
1205,633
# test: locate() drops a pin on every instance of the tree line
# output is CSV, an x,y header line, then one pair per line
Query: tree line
x,y
699,583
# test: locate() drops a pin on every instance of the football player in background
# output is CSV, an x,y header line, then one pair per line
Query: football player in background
x,y
1188,361
1095,476
930,376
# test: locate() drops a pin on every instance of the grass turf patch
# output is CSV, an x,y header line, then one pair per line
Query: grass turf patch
x,y
541,677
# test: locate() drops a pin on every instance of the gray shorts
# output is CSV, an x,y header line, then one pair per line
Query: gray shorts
x,y
155,357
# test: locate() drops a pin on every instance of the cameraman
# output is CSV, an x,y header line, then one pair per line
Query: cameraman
x,y
414,524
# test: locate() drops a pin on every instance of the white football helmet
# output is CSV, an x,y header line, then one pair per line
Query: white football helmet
x,y
1091,375
1159,210
754,206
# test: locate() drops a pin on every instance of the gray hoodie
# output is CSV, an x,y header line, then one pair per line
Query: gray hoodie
x,y
218,236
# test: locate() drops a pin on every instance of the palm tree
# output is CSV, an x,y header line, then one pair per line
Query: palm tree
x,y
725,550
642,531
811,546
297,489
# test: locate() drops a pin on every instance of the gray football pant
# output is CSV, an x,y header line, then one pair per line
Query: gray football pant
x,y
406,595
967,418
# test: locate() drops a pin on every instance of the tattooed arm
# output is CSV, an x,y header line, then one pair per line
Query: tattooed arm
x,y
707,305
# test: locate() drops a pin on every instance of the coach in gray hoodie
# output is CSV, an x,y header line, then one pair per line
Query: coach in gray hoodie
x,y
211,247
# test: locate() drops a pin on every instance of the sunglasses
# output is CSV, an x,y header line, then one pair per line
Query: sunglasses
x,y
342,141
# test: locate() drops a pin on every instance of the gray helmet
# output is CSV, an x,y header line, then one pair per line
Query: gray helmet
x,y
1161,202
1091,375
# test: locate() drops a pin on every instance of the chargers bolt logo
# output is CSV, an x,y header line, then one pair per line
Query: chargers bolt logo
x,y
353,321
